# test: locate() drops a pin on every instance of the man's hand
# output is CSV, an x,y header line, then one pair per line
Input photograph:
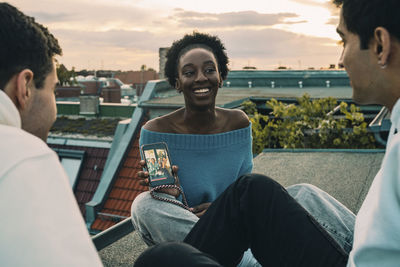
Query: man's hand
x,y
199,210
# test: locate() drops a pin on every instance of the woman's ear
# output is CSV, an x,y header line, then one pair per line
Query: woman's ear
x,y
178,85
382,46
24,87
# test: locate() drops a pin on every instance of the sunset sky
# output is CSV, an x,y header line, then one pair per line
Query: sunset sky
x,y
124,34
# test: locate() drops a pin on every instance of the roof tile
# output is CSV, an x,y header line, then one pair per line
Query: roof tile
x,y
126,187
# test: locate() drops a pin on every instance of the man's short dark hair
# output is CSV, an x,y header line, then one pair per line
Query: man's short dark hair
x,y
24,44
179,47
363,16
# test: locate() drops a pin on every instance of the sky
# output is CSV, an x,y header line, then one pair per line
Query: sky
x,y
125,34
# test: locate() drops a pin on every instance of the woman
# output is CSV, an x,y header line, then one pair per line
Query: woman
x,y
211,145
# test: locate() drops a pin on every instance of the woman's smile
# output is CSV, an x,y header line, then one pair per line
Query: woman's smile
x,y
202,92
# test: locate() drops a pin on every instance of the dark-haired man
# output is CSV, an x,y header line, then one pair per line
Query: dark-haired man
x,y
370,32
40,223
257,212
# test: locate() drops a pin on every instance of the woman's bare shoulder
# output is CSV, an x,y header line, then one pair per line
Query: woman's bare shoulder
x,y
163,124
236,118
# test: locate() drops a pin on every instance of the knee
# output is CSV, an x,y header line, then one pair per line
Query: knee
x,y
139,207
303,188
157,255
174,254
258,182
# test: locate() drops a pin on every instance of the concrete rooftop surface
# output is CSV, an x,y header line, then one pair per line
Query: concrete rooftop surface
x,y
344,174
231,94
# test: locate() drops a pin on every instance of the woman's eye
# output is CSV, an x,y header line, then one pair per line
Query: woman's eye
x,y
210,70
188,73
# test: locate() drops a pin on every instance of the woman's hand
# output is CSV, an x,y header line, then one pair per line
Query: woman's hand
x,y
143,175
144,179
199,210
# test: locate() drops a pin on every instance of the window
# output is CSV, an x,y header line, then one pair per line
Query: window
x,y
72,163
71,167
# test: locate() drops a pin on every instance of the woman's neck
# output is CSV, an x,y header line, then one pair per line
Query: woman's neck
x,y
201,121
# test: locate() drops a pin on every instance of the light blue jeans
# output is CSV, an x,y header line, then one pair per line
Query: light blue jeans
x,y
158,221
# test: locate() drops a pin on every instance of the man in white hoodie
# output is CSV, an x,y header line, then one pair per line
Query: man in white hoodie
x,y
40,223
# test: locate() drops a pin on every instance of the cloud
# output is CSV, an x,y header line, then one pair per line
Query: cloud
x,y
230,19
140,40
125,36
120,49
45,17
93,15
312,2
333,21
266,48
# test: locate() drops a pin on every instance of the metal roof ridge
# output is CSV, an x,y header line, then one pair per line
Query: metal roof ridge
x,y
80,140
120,149
314,150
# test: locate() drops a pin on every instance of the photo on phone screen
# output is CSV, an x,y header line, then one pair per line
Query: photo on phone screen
x,y
158,164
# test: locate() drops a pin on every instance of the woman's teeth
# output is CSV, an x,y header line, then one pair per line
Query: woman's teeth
x,y
201,91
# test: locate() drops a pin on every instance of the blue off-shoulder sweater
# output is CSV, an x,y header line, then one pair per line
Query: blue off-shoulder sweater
x,y
208,163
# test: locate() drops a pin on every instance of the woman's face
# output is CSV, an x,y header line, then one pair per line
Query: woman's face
x,y
198,78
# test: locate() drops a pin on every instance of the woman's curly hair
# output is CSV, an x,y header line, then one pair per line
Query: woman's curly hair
x,y
178,48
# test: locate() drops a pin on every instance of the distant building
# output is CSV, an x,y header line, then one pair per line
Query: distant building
x,y
137,79
284,78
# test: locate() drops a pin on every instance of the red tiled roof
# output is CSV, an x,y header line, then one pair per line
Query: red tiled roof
x,y
126,187
90,175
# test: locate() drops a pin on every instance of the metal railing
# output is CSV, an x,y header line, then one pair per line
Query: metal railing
x,y
113,234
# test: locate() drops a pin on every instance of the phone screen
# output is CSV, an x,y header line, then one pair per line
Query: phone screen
x,y
158,164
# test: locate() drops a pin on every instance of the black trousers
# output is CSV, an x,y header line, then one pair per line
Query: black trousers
x,y
256,212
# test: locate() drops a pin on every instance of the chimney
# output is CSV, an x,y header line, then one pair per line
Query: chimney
x,y
89,105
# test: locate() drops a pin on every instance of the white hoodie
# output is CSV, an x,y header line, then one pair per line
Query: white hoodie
x,y
377,229
40,222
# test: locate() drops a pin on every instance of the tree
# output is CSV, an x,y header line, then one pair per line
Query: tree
x,y
65,76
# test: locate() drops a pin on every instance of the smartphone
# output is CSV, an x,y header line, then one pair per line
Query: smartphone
x,y
158,164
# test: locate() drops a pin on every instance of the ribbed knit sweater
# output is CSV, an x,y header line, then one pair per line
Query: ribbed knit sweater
x,y
208,163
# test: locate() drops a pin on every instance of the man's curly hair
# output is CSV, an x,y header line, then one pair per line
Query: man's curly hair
x,y
24,44
179,47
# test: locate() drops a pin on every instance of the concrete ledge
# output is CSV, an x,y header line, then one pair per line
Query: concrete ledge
x,y
346,175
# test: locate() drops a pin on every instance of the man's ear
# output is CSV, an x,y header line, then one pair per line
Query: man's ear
x,y
382,46
24,87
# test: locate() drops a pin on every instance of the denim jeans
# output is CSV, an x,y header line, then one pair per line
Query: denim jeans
x,y
332,215
160,221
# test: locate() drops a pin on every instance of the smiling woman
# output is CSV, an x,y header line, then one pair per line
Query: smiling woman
x,y
211,145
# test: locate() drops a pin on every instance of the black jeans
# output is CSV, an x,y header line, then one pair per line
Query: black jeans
x,y
256,212
174,254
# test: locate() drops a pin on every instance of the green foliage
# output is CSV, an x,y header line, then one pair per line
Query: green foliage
x,y
310,124
65,76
